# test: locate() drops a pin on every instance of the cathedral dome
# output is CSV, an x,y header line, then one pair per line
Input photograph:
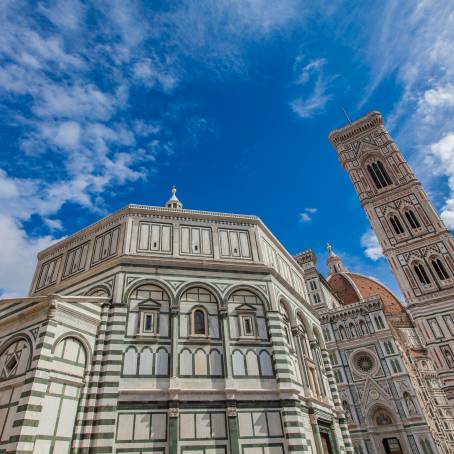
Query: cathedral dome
x,y
353,287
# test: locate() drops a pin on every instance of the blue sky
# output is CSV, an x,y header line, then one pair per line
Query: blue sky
x,y
113,102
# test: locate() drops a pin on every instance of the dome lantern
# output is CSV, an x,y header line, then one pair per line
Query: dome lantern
x,y
174,202
334,262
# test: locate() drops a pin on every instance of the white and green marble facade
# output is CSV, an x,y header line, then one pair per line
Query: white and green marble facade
x,y
78,374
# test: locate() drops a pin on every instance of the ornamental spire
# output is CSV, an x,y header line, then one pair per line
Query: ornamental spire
x,y
173,202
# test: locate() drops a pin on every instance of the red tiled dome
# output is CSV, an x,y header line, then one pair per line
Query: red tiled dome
x,y
352,287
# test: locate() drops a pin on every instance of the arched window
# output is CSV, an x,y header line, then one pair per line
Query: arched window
x,y
379,175
440,269
412,219
421,273
199,322
397,225
353,330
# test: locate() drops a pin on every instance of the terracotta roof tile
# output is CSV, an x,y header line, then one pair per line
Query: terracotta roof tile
x,y
351,288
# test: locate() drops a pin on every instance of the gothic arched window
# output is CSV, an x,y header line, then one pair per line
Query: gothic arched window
x,y
440,269
412,219
199,322
379,174
353,331
397,225
421,273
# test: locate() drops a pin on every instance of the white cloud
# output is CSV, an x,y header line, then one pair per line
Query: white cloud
x,y
372,248
151,72
314,85
18,257
54,224
306,214
442,161
411,42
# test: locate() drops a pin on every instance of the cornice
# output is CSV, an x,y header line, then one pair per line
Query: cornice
x,y
362,125
373,303
153,263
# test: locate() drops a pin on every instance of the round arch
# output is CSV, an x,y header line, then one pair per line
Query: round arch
x,y
8,342
75,335
96,288
257,292
136,284
282,300
209,287
301,316
374,411
318,336
16,338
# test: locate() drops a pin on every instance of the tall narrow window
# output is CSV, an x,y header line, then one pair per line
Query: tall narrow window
x,y
388,347
421,273
374,177
379,322
199,322
440,269
395,364
383,173
379,174
148,323
247,325
412,219
397,226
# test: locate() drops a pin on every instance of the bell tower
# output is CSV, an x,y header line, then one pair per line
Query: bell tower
x,y
415,241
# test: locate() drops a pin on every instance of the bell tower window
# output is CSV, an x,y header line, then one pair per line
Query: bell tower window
x,y
379,174
397,225
412,219
440,269
421,273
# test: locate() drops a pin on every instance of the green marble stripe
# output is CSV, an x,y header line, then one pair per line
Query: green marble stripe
x,y
26,422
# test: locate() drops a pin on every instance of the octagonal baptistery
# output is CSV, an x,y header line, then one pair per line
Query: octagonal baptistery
x,y
161,329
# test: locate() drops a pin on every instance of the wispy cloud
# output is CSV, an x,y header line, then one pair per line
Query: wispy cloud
x,y
307,214
411,43
68,72
313,85
372,248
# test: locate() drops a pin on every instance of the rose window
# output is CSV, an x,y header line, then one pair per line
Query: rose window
x,y
364,363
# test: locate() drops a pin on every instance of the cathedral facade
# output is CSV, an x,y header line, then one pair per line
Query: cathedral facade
x,y
176,331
